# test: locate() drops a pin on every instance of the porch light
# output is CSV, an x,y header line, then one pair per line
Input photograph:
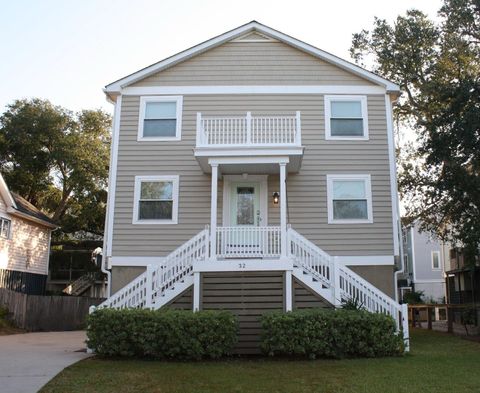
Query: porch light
x,y
276,198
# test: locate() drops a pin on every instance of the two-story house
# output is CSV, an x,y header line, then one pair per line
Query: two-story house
x,y
252,172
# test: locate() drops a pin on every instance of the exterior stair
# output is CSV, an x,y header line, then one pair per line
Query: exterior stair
x,y
312,266
80,285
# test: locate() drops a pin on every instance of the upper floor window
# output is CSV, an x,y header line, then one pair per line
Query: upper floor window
x,y
156,200
5,226
346,117
349,199
160,118
436,260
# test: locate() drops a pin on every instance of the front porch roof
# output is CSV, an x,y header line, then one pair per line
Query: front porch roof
x,y
250,160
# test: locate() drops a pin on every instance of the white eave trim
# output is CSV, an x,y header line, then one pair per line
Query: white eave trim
x,y
28,217
118,85
5,193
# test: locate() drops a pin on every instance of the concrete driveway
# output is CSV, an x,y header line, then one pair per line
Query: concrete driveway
x,y
28,361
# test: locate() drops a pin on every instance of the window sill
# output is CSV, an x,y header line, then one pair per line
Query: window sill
x,y
159,139
154,222
346,138
350,221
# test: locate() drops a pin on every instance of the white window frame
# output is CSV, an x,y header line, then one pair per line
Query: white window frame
x,y
141,117
368,194
175,179
9,234
439,260
328,114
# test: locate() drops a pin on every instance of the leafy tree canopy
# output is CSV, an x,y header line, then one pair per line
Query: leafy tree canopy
x,y
58,160
437,65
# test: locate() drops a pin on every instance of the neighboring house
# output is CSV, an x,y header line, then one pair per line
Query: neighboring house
x,y
424,262
252,172
462,278
24,244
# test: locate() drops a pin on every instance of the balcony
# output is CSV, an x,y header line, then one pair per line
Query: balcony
x,y
249,136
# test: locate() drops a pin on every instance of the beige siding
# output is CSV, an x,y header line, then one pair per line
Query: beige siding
x,y
307,204
257,63
27,248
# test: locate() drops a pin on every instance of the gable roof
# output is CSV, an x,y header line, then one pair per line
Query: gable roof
x,y
19,206
251,27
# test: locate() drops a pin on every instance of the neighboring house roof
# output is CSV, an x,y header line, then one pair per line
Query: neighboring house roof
x,y
253,26
19,206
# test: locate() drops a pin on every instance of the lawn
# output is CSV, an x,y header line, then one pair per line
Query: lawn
x,y
437,363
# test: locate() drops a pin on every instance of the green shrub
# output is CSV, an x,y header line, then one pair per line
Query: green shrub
x,y
163,334
330,333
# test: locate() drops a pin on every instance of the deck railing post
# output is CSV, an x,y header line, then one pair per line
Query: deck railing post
x,y
213,213
149,287
283,209
406,336
298,131
249,128
337,300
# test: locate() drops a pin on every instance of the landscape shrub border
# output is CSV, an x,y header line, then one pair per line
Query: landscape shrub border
x,y
316,333
162,334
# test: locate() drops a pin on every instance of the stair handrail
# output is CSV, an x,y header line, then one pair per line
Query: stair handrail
x,y
345,283
311,257
142,291
179,263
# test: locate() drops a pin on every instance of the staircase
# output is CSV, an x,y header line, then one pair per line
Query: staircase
x,y
161,283
80,285
316,269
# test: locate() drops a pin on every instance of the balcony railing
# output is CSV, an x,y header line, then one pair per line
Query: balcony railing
x,y
249,130
248,242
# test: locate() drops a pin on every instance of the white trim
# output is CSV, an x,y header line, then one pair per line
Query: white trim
x,y
116,86
368,195
141,117
430,281
227,194
242,265
414,273
393,179
112,180
167,178
254,89
363,260
135,261
288,290
248,160
435,269
5,193
364,108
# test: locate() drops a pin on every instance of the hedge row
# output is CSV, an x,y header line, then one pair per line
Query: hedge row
x,y
330,333
164,334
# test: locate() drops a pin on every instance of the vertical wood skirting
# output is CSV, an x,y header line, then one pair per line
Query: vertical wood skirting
x,y
248,295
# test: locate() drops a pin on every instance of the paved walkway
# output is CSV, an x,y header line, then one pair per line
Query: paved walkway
x,y
28,361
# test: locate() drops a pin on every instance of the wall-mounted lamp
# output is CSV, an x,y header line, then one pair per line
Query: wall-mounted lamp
x,y
276,198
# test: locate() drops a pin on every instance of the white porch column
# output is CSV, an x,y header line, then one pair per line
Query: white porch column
x,y
196,291
283,209
288,290
213,213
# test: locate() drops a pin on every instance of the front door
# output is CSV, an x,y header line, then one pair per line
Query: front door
x,y
242,238
245,204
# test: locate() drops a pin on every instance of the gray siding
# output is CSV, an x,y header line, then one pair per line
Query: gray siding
x,y
304,297
259,63
307,203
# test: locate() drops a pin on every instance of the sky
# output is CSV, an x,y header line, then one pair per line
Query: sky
x,y
67,51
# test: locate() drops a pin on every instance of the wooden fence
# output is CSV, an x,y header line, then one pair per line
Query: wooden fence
x,y
452,313
47,313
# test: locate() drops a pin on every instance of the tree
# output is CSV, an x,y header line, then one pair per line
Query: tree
x,y
437,65
58,160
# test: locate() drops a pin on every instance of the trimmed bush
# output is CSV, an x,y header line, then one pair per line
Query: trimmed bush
x,y
163,334
330,333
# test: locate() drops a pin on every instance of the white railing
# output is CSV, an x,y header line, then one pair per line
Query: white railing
x,y
311,258
249,130
344,282
180,263
248,242
144,290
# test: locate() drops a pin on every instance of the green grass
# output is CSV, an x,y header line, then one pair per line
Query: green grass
x,y
437,363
